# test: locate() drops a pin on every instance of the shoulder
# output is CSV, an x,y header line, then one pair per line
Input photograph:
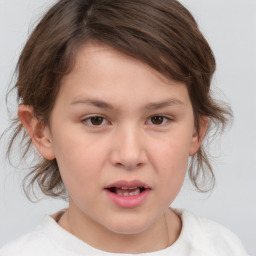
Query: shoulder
x,y
33,243
209,235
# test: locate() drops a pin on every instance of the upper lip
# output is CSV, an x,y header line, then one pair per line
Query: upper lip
x,y
128,184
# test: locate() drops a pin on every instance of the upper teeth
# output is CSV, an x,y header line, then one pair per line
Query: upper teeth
x,y
128,188
125,192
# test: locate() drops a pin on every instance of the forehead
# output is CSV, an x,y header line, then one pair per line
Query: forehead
x,y
103,72
96,54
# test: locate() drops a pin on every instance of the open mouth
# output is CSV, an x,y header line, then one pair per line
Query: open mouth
x,y
127,191
128,194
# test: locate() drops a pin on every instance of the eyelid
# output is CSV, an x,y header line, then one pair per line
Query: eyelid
x,y
86,120
166,117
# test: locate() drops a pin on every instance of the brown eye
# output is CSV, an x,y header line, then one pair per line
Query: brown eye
x,y
96,120
157,120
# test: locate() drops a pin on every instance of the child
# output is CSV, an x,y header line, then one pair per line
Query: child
x,y
115,96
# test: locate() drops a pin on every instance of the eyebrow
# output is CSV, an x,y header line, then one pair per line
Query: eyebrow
x,y
166,103
149,106
96,103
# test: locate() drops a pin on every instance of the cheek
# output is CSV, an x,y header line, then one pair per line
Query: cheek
x,y
170,159
79,161
172,152
172,165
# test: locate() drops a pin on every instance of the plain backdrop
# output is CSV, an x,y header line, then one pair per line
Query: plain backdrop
x,y
230,28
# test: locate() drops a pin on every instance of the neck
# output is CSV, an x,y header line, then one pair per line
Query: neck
x,y
156,237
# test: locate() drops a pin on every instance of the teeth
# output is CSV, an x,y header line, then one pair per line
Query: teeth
x,y
135,193
128,188
124,191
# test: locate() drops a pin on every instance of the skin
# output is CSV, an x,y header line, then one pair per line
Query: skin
x,y
146,133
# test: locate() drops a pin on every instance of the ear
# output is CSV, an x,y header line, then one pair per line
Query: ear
x,y
39,133
198,137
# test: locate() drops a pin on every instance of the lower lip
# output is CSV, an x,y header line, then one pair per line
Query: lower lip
x,y
128,201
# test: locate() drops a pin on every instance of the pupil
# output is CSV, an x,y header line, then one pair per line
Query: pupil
x,y
157,119
97,120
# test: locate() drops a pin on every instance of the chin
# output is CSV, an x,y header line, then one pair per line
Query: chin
x,y
128,226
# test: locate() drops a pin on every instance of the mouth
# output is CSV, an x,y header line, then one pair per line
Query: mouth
x,y
128,194
127,191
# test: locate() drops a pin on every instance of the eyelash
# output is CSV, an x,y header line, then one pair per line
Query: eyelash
x,y
88,120
165,119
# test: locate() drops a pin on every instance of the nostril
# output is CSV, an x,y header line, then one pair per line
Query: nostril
x,y
129,166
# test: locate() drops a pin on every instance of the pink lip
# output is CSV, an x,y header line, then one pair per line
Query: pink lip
x,y
128,201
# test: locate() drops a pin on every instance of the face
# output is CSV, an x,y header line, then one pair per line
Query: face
x,y
122,135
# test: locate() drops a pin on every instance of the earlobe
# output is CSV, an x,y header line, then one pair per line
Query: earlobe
x,y
198,137
39,133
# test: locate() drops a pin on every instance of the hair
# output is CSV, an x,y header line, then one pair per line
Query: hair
x,y
162,34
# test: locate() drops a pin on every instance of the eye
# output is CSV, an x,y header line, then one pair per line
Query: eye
x,y
95,121
158,120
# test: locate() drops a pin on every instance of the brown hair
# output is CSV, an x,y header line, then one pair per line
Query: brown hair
x,y
162,34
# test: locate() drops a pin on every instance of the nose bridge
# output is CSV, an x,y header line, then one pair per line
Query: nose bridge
x,y
128,148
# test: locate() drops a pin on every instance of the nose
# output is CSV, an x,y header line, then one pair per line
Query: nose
x,y
128,150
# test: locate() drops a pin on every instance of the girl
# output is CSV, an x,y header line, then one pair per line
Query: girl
x,y
115,96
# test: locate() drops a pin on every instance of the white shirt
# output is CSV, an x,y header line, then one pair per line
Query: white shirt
x,y
199,237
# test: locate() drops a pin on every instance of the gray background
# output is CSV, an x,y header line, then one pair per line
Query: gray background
x,y
230,27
